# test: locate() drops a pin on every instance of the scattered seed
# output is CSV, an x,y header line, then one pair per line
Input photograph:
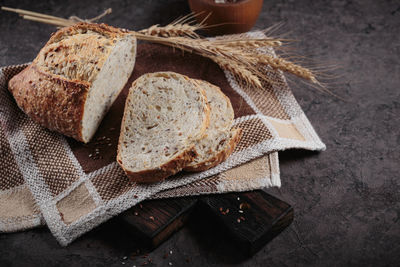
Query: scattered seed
x,y
123,263
244,205
151,218
170,263
125,257
238,198
240,211
170,252
109,144
242,218
136,213
238,220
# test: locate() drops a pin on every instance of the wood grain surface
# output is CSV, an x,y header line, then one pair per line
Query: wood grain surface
x,y
248,219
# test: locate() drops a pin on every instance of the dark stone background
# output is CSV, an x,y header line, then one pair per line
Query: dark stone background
x,y
346,199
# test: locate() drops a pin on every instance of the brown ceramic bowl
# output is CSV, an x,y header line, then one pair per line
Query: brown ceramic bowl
x,y
228,17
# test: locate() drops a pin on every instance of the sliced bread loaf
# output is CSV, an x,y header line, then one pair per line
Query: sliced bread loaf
x,y
75,78
220,140
165,114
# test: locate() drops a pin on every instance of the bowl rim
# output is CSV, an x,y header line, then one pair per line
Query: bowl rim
x,y
240,2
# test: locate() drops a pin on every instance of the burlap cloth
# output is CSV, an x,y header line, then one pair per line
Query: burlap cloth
x,y
46,178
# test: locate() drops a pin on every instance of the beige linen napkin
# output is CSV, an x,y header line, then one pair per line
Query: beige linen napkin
x,y
46,178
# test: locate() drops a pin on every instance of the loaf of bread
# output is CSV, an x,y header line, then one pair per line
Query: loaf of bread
x,y
75,78
220,139
165,114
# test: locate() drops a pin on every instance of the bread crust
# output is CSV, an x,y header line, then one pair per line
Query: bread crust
x,y
219,157
51,100
109,31
161,173
178,162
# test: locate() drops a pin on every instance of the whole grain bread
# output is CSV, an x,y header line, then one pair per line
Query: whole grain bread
x,y
220,139
165,114
75,78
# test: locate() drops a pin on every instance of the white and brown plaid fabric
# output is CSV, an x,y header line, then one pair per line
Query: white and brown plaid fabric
x,y
46,178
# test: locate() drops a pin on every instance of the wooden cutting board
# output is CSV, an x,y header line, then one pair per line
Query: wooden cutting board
x,y
248,219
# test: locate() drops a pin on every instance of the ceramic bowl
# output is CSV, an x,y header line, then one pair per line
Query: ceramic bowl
x,y
228,18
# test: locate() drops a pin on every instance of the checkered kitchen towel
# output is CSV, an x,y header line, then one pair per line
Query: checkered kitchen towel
x,y
46,178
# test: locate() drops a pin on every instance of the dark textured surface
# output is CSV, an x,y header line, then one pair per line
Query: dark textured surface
x,y
346,199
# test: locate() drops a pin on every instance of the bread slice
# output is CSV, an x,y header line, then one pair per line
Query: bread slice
x,y
220,140
75,78
165,114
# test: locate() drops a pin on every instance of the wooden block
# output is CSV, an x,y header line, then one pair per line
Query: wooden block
x,y
249,219
154,221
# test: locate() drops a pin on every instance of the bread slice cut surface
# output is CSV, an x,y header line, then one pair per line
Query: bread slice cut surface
x,y
165,114
220,140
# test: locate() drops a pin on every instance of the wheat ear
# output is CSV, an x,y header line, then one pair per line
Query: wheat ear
x,y
237,69
183,27
173,30
287,66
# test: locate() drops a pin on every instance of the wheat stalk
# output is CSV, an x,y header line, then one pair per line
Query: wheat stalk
x,y
229,58
239,56
250,43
